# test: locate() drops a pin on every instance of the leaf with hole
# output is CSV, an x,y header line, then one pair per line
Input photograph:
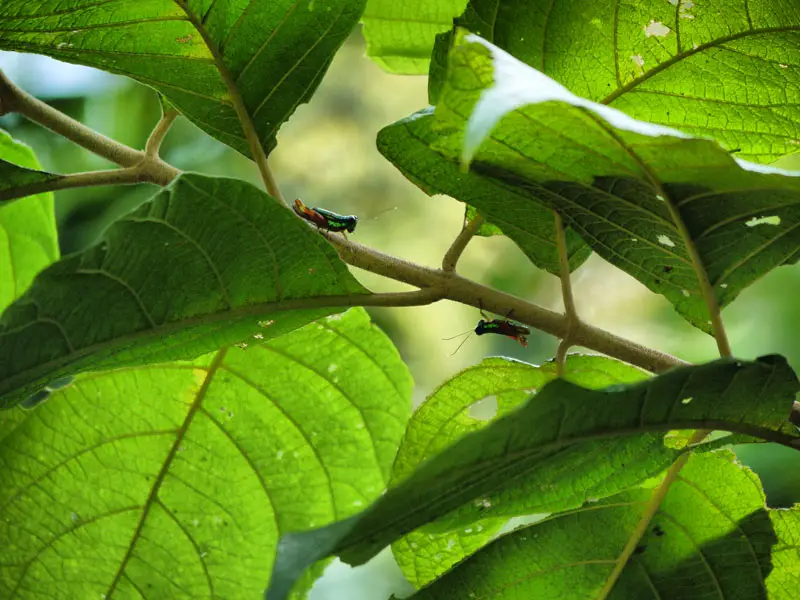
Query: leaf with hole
x,y
730,71
215,62
207,263
712,536
28,237
679,214
176,480
744,397
446,417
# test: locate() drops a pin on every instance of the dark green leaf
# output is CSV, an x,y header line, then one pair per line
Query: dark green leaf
x,y
28,237
667,209
400,35
748,397
408,144
711,537
177,480
199,55
445,417
206,263
730,71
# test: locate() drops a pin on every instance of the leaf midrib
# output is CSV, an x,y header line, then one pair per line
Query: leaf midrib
x,y
152,497
682,55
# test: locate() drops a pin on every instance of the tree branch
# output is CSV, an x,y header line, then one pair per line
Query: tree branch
x,y
456,288
14,99
435,284
89,179
460,243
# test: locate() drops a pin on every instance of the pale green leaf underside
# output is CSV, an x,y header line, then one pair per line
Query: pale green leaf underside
x,y
275,52
752,398
408,145
444,418
626,186
28,237
176,480
712,537
729,71
195,269
400,35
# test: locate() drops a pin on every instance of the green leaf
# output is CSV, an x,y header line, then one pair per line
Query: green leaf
x,y
409,145
711,537
204,57
206,263
730,73
445,417
671,211
400,35
747,397
176,480
28,237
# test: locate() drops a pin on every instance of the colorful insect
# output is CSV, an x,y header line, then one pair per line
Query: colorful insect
x,y
325,219
498,326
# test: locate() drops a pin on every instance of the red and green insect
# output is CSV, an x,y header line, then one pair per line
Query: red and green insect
x,y
325,219
499,326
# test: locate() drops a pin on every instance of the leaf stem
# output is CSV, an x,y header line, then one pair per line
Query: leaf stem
x,y
248,126
160,131
570,313
460,243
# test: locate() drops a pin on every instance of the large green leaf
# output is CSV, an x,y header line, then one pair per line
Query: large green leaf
x,y
206,263
408,145
730,71
668,209
400,35
176,480
746,397
28,237
444,418
200,55
712,537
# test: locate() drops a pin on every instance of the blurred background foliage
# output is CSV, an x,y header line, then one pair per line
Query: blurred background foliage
x,y
326,155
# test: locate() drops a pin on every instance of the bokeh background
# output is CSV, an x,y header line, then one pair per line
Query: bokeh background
x,y
326,155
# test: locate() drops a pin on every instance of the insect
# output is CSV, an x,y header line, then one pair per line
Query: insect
x,y
499,326
325,219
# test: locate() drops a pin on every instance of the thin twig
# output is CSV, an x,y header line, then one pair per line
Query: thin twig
x,y
570,313
246,121
89,179
460,243
160,131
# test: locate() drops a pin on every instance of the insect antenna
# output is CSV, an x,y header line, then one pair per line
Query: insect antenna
x,y
466,333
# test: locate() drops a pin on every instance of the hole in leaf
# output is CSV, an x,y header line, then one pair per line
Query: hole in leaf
x,y
665,241
484,409
772,220
656,28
